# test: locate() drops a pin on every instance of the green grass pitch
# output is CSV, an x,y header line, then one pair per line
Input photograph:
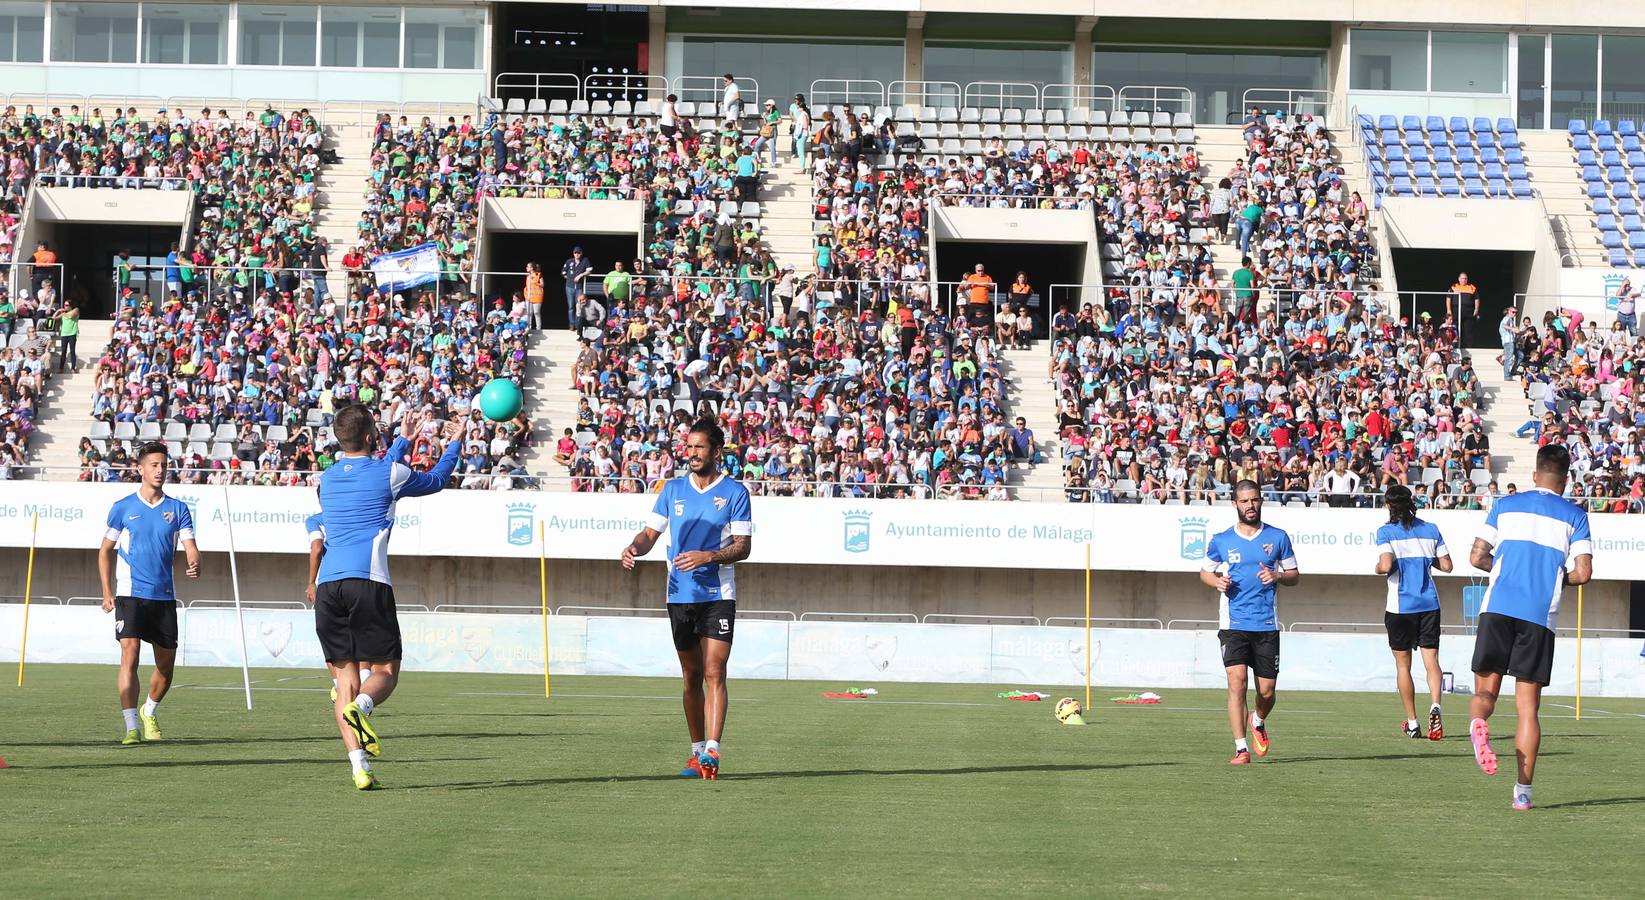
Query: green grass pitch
x,y
925,790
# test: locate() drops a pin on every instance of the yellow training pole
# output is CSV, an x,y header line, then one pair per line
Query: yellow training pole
x,y
28,593
1088,626
1579,652
542,575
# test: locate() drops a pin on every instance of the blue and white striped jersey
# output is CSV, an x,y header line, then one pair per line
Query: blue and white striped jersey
x,y
701,520
357,497
1535,535
145,536
1411,586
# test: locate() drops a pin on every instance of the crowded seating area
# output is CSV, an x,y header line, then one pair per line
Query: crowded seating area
x,y
1582,382
243,389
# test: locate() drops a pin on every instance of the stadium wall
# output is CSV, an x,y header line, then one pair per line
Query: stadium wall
x,y
1034,226
856,653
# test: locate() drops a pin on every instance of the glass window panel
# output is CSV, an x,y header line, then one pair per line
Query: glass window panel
x,y
339,44
422,46
381,44
22,30
277,35
31,38
462,43
1533,56
443,38
360,36
1218,78
260,43
164,40
178,33
1470,62
1032,63
206,45
1388,60
1623,78
785,68
94,32
297,45
1575,92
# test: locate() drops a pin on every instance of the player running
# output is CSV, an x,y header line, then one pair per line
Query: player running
x,y
134,562
713,531
1245,564
1408,550
354,613
1534,543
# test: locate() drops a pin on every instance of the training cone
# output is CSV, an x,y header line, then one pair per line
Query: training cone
x,y
1075,719
500,400
3,763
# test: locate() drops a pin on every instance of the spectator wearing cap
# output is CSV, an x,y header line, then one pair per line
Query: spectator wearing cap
x,y
574,271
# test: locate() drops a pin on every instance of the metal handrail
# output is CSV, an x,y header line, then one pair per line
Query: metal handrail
x,y
548,191
1295,625
603,86
36,598
894,617
1172,623
928,93
776,613
1079,620
1079,96
629,611
1295,101
926,619
854,91
1158,97
255,604
1004,94
687,88
118,182
510,607
89,601
1081,203
538,83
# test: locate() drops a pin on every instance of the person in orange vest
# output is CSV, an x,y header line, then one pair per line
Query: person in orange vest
x,y
534,294
44,262
1464,308
981,297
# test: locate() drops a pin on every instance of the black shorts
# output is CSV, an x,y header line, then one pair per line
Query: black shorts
x,y
1257,649
693,621
152,621
356,621
1418,629
1505,645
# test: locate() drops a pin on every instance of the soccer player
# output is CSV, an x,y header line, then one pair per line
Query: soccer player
x,y
354,614
1408,549
1246,564
134,562
1534,543
712,532
316,526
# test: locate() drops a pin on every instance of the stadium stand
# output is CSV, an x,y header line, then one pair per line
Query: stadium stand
x,y
1435,156
1613,169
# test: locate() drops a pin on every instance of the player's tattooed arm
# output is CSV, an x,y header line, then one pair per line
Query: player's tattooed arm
x,y
735,552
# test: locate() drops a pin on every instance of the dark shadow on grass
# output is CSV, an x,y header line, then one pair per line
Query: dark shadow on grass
x,y
761,776
1378,757
329,736
1603,801
215,763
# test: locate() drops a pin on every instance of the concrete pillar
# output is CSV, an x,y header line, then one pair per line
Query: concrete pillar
x,y
1336,76
657,49
1083,26
913,48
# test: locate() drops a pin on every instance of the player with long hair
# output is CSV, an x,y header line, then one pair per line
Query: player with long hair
x,y
1408,550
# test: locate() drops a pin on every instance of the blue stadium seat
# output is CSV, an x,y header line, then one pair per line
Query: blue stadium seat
x,y
1579,142
1378,168
1486,139
1626,206
1636,240
1398,169
1467,155
1593,173
1489,155
1627,128
1473,187
1610,239
1510,141
1470,170
1639,257
1389,138
1410,123
1586,158
1616,174
1603,206
1605,142
1597,189
1602,126
1401,187
1457,124
1386,122
1632,223
1498,187
1393,152
1365,120
1442,154
1619,258
1426,187
1373,151
1606,222
1630,143
1445,171
1639,176
1494,171
1419,153
1506,126
1434,123
1636,158
1450,187
1422,170
1610,158
1577,126
1512,155
1482,125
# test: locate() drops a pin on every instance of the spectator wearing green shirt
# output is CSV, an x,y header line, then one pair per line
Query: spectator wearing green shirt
x,y
616,283
8,316
1245,292
1249,218
68,334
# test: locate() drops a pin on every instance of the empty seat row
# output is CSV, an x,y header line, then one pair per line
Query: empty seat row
x,y
1445,154
1455,124
1439,139
227,432
1602,127
1490,171
1401,186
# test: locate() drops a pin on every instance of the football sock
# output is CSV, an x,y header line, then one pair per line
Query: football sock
x,y
1522,790
364,702
150,705
365,676
357,759
711,746
1411,724
130,717
1433,707
697,747
1240,744
1256,721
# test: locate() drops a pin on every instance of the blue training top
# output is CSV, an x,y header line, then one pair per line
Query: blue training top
x,y
1249,605
701,520
1534,535
315,525
146,537
1411,581
357,497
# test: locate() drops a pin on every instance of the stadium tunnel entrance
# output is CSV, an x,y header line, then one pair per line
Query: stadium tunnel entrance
x,y
1044,264
1499,275
509,251
88,250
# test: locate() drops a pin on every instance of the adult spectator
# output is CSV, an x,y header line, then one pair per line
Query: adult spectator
x,y
1341,485
1245,291
68,338
1627,304
1508,335
45,262
731,100
1462,304
1249,218
979,290
534,294
616,284
574,271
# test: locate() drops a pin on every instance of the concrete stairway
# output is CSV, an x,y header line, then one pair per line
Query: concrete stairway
x,y
550,400
1219,146
785,214
1029,394
342,189
1554,174
1512,458
65,411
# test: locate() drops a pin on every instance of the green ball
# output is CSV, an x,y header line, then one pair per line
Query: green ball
x,y
500,400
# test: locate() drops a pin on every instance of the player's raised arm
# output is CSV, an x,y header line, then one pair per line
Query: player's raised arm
x,y
408,483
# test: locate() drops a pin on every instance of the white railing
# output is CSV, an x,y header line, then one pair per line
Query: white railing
x,y
1001,95
1291,101
855,91
710,88
1078,96
924,93
1155,98
539,85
